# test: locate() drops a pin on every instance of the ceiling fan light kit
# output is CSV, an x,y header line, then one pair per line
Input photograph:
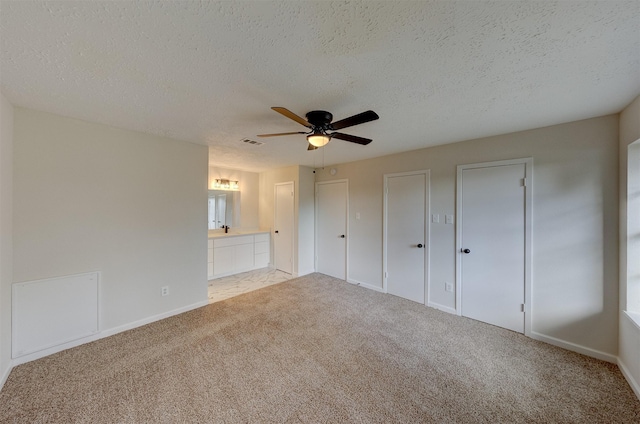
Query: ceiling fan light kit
x,y
319,122
318,140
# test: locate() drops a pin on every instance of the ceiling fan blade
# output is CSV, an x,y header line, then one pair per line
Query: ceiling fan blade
x,y
351,138
311,147
286,112
360,118
279,134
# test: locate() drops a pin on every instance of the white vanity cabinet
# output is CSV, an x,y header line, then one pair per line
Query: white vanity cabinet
x,y
261,250
210,259
232,254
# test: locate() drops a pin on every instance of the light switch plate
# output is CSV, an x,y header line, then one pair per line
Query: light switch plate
x,y
448,219
435,218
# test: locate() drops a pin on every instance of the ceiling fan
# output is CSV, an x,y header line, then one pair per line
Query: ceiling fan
x,y
319,124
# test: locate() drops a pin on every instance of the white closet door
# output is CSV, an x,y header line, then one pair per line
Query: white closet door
x,y
406,242
331,228
492,251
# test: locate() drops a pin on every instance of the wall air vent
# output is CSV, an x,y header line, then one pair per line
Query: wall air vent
x,y
252,142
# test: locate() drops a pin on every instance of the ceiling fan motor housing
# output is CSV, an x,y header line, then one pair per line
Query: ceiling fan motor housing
x,y
319,118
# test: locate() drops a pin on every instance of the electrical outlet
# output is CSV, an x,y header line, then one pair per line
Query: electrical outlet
x,y
165,291
448,287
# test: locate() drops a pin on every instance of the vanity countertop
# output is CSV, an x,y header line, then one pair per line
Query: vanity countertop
x,y
235,233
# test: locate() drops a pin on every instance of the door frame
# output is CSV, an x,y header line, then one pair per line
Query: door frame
x,y
293,228
427,229
528,208
346,229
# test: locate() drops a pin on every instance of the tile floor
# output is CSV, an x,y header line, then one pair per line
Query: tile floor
x,y
233,285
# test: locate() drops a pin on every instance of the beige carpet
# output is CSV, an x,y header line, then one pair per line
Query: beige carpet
x,y
315,349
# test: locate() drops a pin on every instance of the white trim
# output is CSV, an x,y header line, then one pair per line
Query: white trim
x,y
106,333
443,308
304,272
427,238
528,289
634,317
346,225
427,229
365,285
635,386
630,242
575,347
5,374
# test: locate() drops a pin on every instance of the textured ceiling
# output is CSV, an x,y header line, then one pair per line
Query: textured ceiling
x,y
208,72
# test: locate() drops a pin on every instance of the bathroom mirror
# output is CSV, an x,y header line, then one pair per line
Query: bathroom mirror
x,y
224,209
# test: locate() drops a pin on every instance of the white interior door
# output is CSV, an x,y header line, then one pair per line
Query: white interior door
x,y
331,228
406,238
492,219
283,227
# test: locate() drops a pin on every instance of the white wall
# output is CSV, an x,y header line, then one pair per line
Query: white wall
x,y
575,224
303,182
629,349
249,189
6,242
89,197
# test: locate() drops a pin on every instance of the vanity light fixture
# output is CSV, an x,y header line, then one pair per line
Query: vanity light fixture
x,y
223,184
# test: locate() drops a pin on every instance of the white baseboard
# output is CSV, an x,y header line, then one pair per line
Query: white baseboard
x,y
149,320
365,285
575,347
627,374
5,375
442,308
105,333
305,272
635,386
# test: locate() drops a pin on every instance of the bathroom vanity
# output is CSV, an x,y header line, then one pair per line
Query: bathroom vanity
x,y
233,253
